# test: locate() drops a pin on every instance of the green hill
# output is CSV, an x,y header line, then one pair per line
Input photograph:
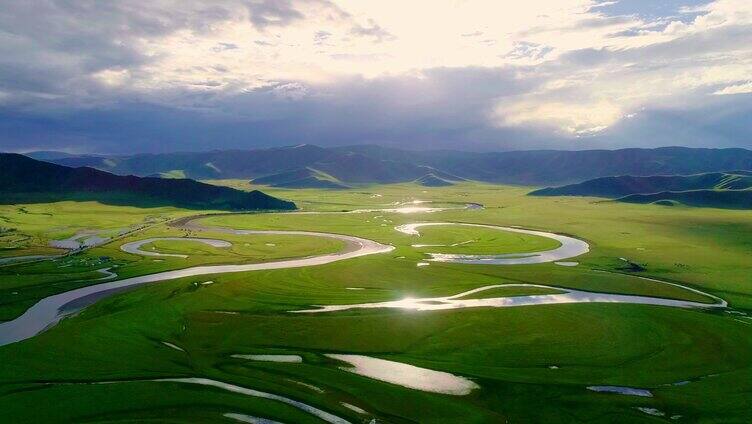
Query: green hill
x,y
616,187
431,180
25,180
174,174
548,167
369,164
301,178
722,199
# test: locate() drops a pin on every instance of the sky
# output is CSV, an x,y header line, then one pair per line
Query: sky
x,y
86,76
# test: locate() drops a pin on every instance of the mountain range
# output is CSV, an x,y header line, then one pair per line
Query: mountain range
x,y
722,199
313,166
730,190
615,187
26,180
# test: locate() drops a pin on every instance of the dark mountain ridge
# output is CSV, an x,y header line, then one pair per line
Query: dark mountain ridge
x,y
615,187
301,178
431,180
28,180
728,190
365,164
722,199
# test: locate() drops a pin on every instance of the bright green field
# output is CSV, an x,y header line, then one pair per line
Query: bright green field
x,y
533,363
471,240
31,227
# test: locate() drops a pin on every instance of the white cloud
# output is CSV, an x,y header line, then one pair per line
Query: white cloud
x,y
639,69
576,70
735,89
573,119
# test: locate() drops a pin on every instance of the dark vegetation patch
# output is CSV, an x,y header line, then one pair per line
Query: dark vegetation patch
x,y
26,180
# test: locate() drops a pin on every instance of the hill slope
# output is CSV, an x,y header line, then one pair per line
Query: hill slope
x,y
723,199
207,165
431,180
301,178
546,167
375,164
49,155
615,187
28,180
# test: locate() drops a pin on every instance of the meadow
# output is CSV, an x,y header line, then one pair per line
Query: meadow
x,y
532,363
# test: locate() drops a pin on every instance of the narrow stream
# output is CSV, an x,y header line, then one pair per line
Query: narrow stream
x,y
461,300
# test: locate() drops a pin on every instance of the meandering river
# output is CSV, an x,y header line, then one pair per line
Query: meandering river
x,y
570,246
464,300
48,311
51,309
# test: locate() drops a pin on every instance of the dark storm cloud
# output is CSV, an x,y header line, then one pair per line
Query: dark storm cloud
x,y
443,108
49,50
48,47
716,121
440,108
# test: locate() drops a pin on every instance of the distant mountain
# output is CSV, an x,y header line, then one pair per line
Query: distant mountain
x,y
301,178
346,167
28,180
206,165
729,190
49,155
174,174
431,180
615,187
724,199
366,164
546,167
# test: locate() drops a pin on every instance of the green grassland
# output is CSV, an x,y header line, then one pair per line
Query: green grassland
x,y
34,225
532,363
24,284
469,240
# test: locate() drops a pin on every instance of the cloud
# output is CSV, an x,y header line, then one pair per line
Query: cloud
x,y
267,13
220,47
743,88
320,37
175,75
528,50
592,89
381,110
372,30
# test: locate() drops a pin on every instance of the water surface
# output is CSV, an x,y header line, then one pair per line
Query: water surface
x,y
461,300
243,418
134,247
295,359
51,309
570,247
628,391
406,375
330,418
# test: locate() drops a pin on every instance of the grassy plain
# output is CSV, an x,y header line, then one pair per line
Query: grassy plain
x,y
34,225
471,240
533,364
